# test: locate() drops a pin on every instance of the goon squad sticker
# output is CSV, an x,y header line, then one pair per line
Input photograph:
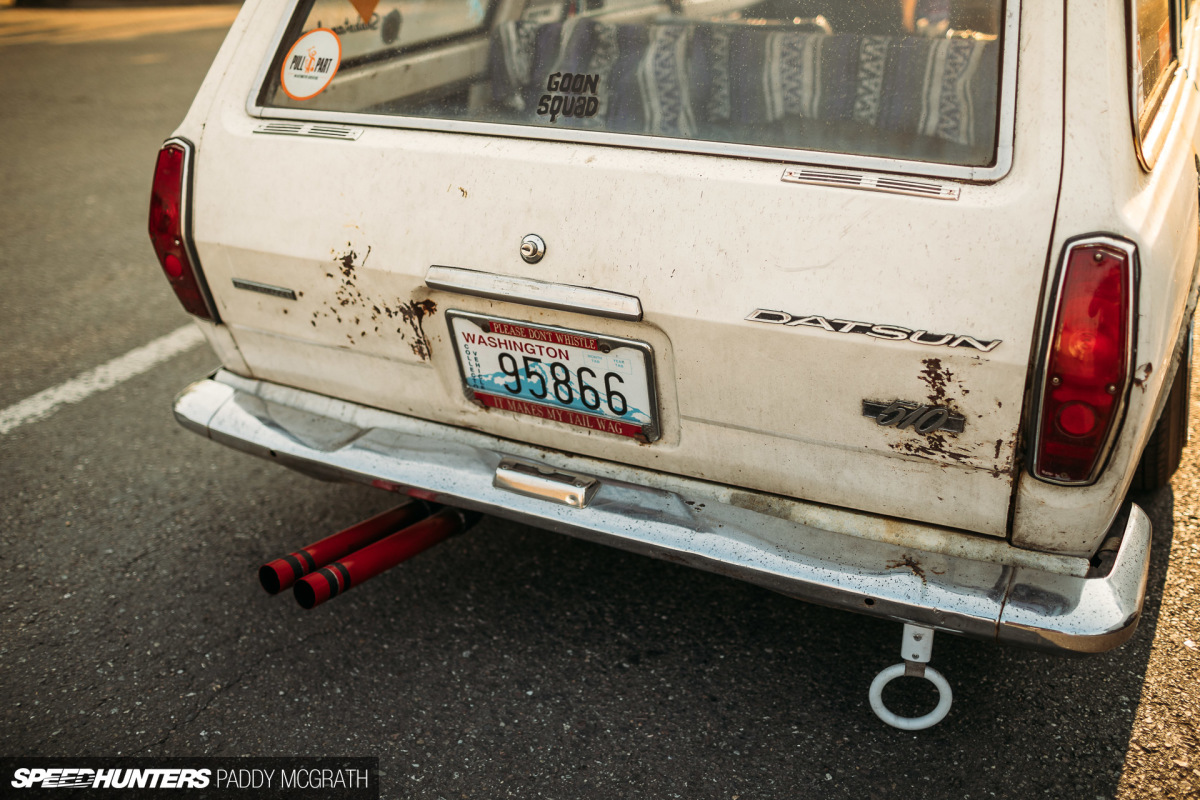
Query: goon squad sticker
x,y
311,64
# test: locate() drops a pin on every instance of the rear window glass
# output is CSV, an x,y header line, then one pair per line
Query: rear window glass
x,y
909,79
373,28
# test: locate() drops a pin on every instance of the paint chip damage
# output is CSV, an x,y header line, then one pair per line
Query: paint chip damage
x,y
935,445
412,313
372,312
946,389
910,563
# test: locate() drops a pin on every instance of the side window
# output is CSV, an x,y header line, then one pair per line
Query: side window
x,y
1153,52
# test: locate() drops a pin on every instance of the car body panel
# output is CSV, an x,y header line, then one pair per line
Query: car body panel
x,y
775,408
721,253
1105,189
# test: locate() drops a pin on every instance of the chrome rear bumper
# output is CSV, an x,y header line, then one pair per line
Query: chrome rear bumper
x,y
658,515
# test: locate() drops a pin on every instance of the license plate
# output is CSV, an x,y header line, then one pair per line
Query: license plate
x,y
597,382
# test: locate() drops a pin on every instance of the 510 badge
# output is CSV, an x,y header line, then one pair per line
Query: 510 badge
x,y
923,419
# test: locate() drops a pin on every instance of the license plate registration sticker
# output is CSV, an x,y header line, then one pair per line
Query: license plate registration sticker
x,y
597,382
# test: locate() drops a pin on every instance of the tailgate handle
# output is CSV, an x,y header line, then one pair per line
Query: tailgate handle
x,y
557,486
559,296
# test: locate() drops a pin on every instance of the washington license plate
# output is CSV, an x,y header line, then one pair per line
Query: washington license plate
x,y
575,377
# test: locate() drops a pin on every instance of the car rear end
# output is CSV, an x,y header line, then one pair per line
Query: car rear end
x,y
766,289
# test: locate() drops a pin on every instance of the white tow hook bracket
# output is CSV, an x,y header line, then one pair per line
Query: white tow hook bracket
x,y
916,650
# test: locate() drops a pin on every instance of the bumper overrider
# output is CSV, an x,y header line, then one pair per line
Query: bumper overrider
x,y
657,514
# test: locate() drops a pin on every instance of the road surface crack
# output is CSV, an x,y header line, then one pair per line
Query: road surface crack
x,y
225,687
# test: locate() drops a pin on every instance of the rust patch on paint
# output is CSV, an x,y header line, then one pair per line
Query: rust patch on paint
x,y
760,504
346,293
937,378
1004,471
1142,374
347,260
908,562
413,313
365,313
912,564
936,445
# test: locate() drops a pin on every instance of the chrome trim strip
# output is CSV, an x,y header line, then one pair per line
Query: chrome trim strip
x,y
1149,126
285,20
340,440
1131,256
870,182
559,296
280,128
993,172
1149,146
1006,121
264,288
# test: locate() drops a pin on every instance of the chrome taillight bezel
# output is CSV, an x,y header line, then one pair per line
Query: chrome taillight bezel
x,y
186,238
1048,335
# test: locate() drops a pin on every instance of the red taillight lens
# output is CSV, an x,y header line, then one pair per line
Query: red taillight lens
x,y
1087,361
168,228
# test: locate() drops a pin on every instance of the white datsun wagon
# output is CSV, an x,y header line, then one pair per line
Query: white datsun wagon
x,y
881,304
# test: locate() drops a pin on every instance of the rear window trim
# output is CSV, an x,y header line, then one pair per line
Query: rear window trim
x,y
1150,125
1005,120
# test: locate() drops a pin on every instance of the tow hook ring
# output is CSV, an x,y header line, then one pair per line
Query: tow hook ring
x,y
916,648
945,698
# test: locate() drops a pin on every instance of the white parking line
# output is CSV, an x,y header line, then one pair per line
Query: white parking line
x,y
105,376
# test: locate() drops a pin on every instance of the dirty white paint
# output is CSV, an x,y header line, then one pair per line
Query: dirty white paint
x,y
701,241
1105,189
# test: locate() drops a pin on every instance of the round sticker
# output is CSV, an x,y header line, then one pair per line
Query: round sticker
x,y
311,64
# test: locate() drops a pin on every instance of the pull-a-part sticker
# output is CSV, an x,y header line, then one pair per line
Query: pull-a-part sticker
x,y
311,64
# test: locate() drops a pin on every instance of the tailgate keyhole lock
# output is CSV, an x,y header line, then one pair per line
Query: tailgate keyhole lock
x,y
533,247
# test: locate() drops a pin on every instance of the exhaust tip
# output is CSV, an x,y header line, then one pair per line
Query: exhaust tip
x,y
270,579
305,596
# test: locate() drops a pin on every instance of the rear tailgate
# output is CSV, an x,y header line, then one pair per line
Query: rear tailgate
x,y
889,297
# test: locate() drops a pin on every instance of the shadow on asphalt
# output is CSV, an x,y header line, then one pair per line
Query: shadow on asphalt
x,y
643,660
505,662
1052,723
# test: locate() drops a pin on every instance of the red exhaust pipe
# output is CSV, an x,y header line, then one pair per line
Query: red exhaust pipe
x,y
351,570
283,572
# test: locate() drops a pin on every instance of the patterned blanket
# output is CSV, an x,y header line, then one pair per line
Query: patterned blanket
x,y
674,78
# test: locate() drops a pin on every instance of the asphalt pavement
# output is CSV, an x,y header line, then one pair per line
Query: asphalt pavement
x,y
508,662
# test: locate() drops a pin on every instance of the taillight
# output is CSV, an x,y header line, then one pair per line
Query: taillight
x,y
170,223
1086,366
